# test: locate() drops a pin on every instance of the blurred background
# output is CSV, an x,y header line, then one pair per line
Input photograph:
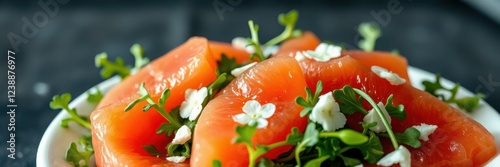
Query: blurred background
x,y
458,39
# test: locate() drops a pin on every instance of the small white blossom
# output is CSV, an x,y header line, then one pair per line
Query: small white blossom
x,y
267,51
237,71
393,78
176,159
401,156
191,107
425,130
323,52
182,135
299,56
242,43
254,113
327,113
373,116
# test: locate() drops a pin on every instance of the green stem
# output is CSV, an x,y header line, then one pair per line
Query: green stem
x,y
252,157
381,115
77,118
282,37
255,39
167,116
297,151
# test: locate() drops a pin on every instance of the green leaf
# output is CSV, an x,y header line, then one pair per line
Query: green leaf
x,y
366,127
396,112
179,150
294,137
244,134
409,137
80,158
469,104
138,53
167,128
151,149
348,102
110,68
216,163
310,135
348,161
288,20
351,137
316,162
94,97
227,64
328,147
372,151
164,96
60,101
370,33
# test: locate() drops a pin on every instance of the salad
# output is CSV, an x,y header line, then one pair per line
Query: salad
x,y
291,101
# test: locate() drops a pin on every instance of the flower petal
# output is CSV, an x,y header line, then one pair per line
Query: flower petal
x,y
251,106
261,123
393,78
195,111
237,71
201,95
185,109
241,118
267,110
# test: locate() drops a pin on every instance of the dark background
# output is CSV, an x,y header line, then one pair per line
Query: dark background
x,y
447,37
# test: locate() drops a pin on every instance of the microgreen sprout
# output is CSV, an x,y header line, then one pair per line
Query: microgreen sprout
x,y
469,104
118,67
94,97
80,158
62,102
370,33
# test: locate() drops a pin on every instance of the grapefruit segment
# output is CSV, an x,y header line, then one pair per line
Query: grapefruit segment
x,y
458,140
307,41
118,136
267,82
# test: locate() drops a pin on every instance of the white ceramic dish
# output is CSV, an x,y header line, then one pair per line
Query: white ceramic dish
x,y
56,139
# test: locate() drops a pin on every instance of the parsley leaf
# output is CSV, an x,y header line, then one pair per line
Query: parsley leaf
x,y
62,102
370,33
94,97
310,139
80,158
245,134
348,101
226,64
396,112
469,104
216,163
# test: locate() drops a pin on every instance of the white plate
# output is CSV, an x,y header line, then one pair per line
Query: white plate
x,y
56,139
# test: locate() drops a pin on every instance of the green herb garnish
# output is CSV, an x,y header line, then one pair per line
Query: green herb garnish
x,y
94,97
370,33
469,104
62,102
77,157
118,67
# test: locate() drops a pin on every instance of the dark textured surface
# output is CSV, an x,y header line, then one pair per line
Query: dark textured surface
x,y
449,38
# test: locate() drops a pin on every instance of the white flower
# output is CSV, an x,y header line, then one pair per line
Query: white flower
x,y
327,113
267,51
237,71
401,156
182,135
254,113
299,56
191,107
373,116
323,52
176,159
242,43
393,78
425,130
